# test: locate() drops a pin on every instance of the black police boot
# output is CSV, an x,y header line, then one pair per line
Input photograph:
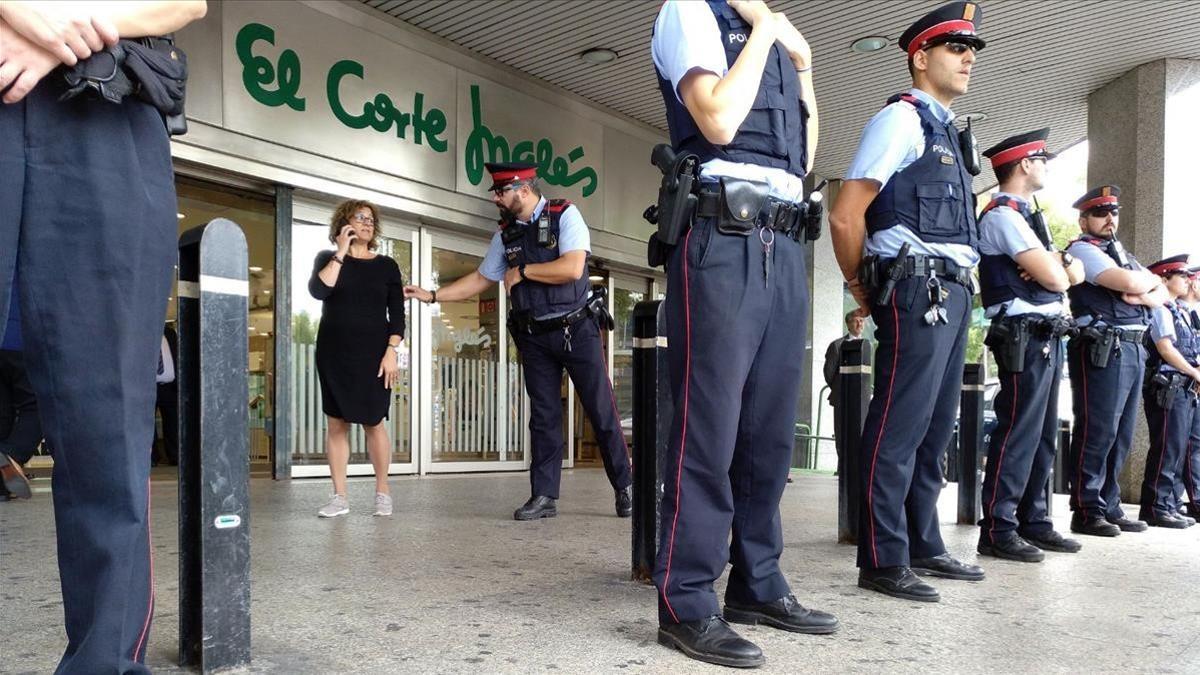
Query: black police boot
x,y
1192,509
898,582
1011,548
1160,519
1095,526
625,502
784,613
537,507
711,640
1129,524
1186,518
946,567
1053,541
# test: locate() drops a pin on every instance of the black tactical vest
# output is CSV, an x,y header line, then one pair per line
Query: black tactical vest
x,y
1000,277
1103,304
521,247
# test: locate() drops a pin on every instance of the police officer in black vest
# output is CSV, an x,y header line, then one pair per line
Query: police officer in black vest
x,y
87,204
736,79
1023,280
1172,380
1188,481
540,253
1106,360
904,234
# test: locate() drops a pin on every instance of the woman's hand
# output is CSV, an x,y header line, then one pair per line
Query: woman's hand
x,y
389,368
345,238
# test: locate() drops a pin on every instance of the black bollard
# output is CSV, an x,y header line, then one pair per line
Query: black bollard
x,y
854,397
970,445
1062,457
214,449
652,410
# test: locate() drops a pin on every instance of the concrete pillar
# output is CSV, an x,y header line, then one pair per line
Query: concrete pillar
x,y
1142,137
825,326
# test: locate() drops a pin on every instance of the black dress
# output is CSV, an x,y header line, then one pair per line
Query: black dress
x,y
357,316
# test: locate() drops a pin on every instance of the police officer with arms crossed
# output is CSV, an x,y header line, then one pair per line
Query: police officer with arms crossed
x,y
87,203
1106,361
1171,383
540,253
1188,481
1022,279
736,79
907,204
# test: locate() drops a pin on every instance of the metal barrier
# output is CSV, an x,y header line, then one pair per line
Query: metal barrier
x,y
854,396
970,445
652,411
214,448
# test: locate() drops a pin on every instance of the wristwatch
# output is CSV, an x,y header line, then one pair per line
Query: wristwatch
x,y
521,271
1067,259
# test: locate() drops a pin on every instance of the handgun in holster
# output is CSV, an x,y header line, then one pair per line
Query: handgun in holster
x,y
676,200
1099,343
1164,387
151,68
597,304
1008,340
895,273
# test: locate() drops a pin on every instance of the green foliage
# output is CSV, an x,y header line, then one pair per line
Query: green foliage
x,y
304,328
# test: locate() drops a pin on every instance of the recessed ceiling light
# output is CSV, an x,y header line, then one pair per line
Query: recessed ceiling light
x,y
598,55
595,278
871,43
255,268
179,216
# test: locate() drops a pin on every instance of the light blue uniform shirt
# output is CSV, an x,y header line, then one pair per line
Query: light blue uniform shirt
x,y
573,235
1162,325
892,141
1095,261
687,38
1004,231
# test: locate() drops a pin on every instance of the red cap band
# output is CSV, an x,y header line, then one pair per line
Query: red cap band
x,y
1097,201
958,25
1017,153
1167,268
509,176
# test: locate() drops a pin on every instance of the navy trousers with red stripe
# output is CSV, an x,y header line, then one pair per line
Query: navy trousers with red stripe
x,y
1021,450
87,212
1188,481
1105,402
735,350
1169,430
918,381
543,358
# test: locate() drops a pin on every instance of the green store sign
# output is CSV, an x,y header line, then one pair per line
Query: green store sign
x,y
419,123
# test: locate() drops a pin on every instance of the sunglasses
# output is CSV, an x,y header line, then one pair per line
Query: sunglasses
x,y
959,47
499,192
1103,212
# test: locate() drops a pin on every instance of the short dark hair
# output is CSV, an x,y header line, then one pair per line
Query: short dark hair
x,y
1005,171
851,315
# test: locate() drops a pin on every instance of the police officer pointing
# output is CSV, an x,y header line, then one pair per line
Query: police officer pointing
x,y
736,79
907,205
1022,279
1172,380
1106,361
540,253
87,204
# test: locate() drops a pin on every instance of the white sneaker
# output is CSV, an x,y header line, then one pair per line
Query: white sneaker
x,y
338,506
383,504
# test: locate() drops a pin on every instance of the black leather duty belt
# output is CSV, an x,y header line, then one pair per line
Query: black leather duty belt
x,y
779,215
926,266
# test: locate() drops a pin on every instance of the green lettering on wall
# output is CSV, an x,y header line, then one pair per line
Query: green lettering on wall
x,y
258,71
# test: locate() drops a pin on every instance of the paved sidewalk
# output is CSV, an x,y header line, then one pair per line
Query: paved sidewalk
x,y
451,584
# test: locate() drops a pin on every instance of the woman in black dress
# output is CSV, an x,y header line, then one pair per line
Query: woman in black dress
x,y
358,345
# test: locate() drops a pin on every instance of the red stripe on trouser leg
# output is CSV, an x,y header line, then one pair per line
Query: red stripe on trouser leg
x,y
687,376
1000,462
882,426
141,643
1162,453
1083,441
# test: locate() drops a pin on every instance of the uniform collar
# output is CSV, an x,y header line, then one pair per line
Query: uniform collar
x,y
1014,197
940,111
537,212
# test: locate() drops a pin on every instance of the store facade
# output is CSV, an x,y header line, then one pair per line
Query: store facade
x,y
294,107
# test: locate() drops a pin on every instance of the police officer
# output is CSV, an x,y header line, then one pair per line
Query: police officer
x,y
907,204
1106,361
1172,379
1188,481
736,79
540,253
87,205
1022,279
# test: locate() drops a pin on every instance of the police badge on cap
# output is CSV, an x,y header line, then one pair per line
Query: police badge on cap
x,y
504,173
1019,147
1103,198
1176,264
955,22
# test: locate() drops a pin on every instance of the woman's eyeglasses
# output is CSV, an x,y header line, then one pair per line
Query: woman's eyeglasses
x,y
362,220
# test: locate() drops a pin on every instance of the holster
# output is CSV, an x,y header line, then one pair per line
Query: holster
x,y
597,305
151,68
1099,343
676,195
1164,387
1008,340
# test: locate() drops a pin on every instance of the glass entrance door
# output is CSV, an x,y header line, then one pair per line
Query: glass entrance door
x,y
310,235
477,415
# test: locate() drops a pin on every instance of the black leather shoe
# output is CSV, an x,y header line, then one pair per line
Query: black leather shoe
x,y
1167,520
1129,524
625,502
1192,510
1097,527
1186,518
898,582
946,567
14,479
785,613
1053,541
1011,548
711,640
537,507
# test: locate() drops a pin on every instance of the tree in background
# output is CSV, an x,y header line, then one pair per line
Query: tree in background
x,y
304,329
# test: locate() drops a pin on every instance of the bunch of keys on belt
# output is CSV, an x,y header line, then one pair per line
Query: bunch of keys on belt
x,y
937,295
763,233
